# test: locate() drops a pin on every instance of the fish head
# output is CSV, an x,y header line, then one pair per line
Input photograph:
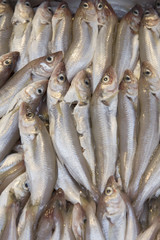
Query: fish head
x,y
157,6
79,220
58,84
23,12
44,12
150,18
80,89
5,8
129,84
44,66
35,91
108,86
62,11
8,62
133,18
59,199
149,74
87,11
104,11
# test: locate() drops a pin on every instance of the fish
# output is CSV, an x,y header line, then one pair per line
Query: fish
x,y
61,29
9,132
103,110
79,95
111,211
38,69
103,55
22,25
126,49
84,38
38,149
149,33
63,131
148,137
6,14
41,32
16,191
8,63
67,231
127,125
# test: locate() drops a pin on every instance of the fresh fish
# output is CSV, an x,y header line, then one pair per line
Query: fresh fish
x,y
8,63
85,31
103,55
149,34
104,126
61,29
6,13
22,25
111,211
63,131
126,51
9,132
78,221
41,32
12,167
17,190
10,231
41,167
79,94
127,125
70,187
37,69
148,136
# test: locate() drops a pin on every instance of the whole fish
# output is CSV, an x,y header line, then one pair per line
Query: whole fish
x,y
127,124
41,167
148,136
63,131
61,29
104,126
6,14
12,167
149,38
103,55
9,132
78,221
17,190
126,51
8,63
111,211
37,69
22,25
79,94
41,32
85,31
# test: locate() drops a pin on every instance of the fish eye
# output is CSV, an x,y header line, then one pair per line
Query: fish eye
x,y
147,73
4,1
147,12
27,4
108,191
127,78
49,59
158,4
85,5
29,115
105,79
100,6
50,9
136,12
86,81
39,91
85,220
61,78
25,186
7,62
64,6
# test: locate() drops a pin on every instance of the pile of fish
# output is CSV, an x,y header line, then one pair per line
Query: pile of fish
x,y
79,122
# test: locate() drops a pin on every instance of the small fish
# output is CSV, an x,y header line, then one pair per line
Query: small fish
x,y
85,31
8,63
61,29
